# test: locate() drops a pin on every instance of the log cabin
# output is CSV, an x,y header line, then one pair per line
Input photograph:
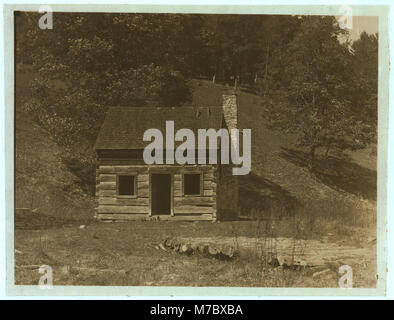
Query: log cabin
x,y
129,189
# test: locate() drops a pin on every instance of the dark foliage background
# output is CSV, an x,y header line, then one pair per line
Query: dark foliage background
x,y
315,83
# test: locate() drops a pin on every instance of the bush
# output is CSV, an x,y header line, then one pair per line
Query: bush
x,y
149,85
174,90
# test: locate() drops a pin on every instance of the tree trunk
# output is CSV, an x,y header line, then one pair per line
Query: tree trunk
x,y
216,71
327,151
266,70
312,157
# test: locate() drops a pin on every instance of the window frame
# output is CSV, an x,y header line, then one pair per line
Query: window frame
x,y
135,185
201,194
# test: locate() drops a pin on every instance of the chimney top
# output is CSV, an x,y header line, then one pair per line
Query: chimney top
x,y
230,109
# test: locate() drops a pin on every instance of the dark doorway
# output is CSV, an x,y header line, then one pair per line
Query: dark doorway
x,y
161,193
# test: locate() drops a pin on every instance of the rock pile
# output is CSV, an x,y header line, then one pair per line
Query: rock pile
x,y
220,251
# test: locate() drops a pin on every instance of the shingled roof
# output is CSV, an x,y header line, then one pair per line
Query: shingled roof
x,y
124,127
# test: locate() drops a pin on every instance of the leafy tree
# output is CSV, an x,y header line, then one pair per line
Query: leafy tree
x,y
276,34
88,62
322,89
365,77
233,45
317,95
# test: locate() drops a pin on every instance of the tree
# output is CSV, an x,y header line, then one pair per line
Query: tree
x,y
365,77
321,88
276,34
316,88
89,62
233,44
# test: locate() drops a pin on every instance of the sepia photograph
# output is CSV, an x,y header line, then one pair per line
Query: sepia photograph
x,y
195,150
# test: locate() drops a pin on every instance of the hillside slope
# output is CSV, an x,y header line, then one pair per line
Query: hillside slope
x,y
42,181
340,193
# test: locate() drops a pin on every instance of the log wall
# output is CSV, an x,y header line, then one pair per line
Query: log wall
x,y
184,207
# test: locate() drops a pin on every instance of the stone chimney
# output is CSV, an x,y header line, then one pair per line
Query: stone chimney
x,y
230,109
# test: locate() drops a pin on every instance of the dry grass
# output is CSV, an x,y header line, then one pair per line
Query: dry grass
x,y
293,202
131,247
42,181
338,197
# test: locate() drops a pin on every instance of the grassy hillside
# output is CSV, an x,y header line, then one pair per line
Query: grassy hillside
x,y
339,195
41,178
334,205
43,182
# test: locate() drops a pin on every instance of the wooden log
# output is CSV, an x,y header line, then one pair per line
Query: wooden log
x,y
103,169
129,169
105,177
97,182
187,209
143,177
121,162
107,186
189,200
143,168
178,193
178,185
143,193
122,217
123,209
107,193
207,185
138,216
124,201
107,168
196,167
143,184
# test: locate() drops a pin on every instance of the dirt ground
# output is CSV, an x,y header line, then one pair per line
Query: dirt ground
x,y
127,254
